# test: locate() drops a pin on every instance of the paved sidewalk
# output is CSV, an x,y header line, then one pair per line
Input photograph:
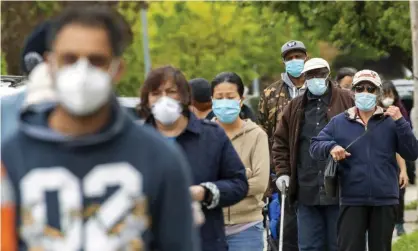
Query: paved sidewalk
x,y
411,216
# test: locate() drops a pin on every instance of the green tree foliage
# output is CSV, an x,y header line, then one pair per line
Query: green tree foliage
x,y
370,28
206,38
201,38
3,65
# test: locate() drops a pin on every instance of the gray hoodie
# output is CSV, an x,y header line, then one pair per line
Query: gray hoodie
x,y
293,91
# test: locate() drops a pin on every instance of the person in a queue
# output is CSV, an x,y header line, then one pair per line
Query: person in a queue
x,y
243,221
345,76
368,171
271,106
201,104
303,118
219,178
391,97
80,174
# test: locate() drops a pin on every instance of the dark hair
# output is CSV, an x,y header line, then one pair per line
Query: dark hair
x,y
230,77
201,90
103,17
158,77
387,87
344,72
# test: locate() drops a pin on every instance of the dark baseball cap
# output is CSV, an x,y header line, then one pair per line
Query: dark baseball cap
x,y
292,45
201,91
34,47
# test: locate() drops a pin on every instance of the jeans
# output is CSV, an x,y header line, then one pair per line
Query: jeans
x,y
251,239
317,227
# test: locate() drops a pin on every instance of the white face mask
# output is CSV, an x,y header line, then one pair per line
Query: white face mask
x,y
386,102
166,110
81,88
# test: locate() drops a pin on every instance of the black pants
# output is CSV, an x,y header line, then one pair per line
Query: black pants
x,y
401,207
290,228
354,221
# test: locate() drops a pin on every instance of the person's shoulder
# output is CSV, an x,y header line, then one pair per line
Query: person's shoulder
x,y
212,129
273,88
344,93
147,138
259,132
295,102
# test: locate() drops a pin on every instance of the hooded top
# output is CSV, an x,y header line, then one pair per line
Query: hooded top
x,y
293,91
251,144
107,186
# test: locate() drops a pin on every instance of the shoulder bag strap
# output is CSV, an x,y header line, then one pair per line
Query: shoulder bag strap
x,y
365,132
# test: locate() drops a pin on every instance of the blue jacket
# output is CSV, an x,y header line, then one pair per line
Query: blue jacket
x,y
370,175
212,158
125,177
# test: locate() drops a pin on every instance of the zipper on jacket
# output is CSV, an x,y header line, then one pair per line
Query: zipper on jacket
x,y
370,171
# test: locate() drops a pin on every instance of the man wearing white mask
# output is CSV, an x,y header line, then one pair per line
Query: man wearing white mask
x,y
109,177
304,118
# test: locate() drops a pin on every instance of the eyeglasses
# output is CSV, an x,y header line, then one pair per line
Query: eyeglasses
x,y
361,88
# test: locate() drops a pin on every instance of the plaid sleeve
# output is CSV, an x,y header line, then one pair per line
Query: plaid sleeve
x,y
8,212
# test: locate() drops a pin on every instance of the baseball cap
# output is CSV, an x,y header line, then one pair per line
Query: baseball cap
x,y
369,76
315,63
291,46
201,91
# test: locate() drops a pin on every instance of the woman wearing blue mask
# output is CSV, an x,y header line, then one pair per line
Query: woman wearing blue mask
x,y
368,170
243,221
218,174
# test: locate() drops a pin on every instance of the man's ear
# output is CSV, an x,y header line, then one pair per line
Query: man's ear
x,y
119,71
307,57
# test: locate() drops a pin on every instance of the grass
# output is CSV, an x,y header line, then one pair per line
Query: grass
x,y
412,205
407,242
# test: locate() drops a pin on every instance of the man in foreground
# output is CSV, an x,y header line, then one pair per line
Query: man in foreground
x,y
81,175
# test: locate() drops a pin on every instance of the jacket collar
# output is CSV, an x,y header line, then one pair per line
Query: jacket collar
x,y
353,114
194,125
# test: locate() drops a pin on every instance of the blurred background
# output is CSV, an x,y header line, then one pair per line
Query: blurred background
x,y
204,38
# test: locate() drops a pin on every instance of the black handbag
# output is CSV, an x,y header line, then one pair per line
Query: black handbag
x,y
331,168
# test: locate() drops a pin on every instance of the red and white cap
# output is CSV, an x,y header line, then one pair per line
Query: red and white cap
x,y
368,76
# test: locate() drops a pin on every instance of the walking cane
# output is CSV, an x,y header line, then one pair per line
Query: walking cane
x,y
283,198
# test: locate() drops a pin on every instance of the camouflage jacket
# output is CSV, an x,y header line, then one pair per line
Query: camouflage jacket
x,y
273,100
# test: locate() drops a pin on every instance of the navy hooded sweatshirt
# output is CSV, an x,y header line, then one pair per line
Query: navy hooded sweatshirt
x,y
121,188
369,177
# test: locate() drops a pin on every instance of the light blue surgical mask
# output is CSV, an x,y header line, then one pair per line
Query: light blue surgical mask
x,y
365,101
294,67
226,110
317,86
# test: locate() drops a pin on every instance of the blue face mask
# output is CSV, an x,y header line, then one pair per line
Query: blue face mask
x,y
226,110
294,67
317,86
365,101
